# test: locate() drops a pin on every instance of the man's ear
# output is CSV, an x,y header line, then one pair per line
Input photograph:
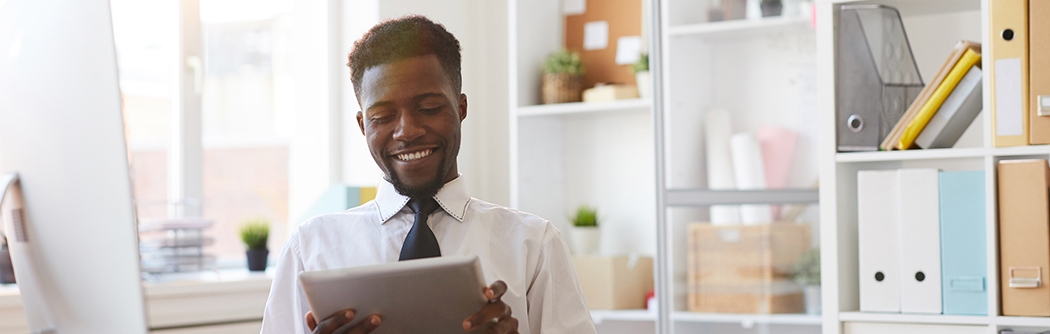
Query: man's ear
x,y
361,122
462,106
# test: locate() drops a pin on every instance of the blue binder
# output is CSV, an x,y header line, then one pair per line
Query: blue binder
x,y
964,267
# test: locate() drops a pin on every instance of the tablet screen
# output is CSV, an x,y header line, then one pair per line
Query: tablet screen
x,y
432,295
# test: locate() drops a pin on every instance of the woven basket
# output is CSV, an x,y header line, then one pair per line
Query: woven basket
x,y
562,88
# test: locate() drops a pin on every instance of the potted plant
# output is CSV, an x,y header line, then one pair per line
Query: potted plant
x,y
806,272
562,77
771,7
585,233
641,76
254,234
7,271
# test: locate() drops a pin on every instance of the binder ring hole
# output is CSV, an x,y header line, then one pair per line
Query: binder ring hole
x,y
1008,34
919,276
879,277
855,123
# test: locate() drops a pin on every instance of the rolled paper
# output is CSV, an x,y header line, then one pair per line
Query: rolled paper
x,y
720,164
750,175
778,150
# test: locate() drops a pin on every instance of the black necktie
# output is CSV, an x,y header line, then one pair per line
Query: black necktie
x,y
420,242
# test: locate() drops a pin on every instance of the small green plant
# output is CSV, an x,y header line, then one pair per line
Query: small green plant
x,y
586,216
642,65
807,270
3,241
563,61
255,232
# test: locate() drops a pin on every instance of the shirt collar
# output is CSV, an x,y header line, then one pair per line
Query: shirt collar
x,y
452,197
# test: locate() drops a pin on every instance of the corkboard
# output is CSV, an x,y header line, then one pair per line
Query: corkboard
x,y
625,19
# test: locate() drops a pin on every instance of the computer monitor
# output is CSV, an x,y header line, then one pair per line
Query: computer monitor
x,y
72,233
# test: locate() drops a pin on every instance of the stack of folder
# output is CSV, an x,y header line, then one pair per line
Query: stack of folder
x,y
945,107
921,241
1020,72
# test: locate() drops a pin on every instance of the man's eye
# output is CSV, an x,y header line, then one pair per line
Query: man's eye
x,y
430,111
381,118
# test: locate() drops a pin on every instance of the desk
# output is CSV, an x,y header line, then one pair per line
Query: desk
x,y
229,301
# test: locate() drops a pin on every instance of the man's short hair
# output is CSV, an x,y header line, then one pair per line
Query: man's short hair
x,y
403,38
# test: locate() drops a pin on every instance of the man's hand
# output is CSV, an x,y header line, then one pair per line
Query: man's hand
x,y
495,316
338,323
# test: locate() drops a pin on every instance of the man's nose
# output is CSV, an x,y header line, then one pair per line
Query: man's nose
x,y
409,127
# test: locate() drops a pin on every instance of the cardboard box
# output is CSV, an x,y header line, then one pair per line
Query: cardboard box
x,y
745,269
609,93
614,282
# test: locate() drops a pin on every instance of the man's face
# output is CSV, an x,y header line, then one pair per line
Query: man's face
x,y
411,119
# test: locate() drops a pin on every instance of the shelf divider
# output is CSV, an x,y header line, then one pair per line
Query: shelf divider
x,y
584,107
937,319
942,153
705,197
600,316
748,320
731,28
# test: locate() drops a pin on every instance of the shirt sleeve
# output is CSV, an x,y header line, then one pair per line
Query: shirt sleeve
x,y
555,300
286,307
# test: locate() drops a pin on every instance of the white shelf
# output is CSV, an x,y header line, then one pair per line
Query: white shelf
x,y
736,28
913,318
938,154
748,320
705,197
600,316
584,107
944,319
924,7
1022,321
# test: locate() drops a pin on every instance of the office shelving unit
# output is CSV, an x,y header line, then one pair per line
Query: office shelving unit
x,y
565,155
613,154
758,69
932,27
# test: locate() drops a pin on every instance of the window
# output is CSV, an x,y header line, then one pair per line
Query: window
x,y
144,33
245,122
244,133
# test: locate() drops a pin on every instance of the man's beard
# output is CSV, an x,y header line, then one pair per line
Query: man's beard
x,y
427,190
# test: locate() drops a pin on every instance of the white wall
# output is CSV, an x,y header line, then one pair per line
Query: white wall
x,y
481,28
483,158
300,67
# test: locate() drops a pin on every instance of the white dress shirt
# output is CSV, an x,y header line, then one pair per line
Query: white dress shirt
x,y
523,250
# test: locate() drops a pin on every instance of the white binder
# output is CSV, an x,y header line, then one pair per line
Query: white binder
x,y
878,240
920,241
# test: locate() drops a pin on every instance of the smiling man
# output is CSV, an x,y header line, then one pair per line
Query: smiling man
x,y
406,75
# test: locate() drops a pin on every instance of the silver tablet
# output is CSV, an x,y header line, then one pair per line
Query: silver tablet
x,y
430,295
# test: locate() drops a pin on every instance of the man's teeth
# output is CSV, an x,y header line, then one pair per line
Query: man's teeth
x,y
414,155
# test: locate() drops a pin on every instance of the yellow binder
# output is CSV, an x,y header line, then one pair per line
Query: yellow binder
x,y
968,60
1039,70
1008,50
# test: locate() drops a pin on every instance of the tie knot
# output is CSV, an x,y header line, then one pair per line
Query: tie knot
x,y
426,206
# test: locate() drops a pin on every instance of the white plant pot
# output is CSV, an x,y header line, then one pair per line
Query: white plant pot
x,y
645,84
812,296
585,240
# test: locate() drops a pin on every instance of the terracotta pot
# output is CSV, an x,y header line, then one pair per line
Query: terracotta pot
x,y
562,88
